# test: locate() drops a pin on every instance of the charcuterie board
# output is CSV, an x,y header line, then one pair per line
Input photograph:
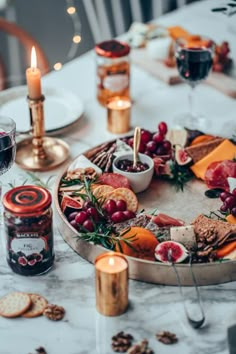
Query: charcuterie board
x,y
158,69
160,195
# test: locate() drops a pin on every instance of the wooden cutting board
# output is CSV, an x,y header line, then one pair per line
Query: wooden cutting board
x,y
219,81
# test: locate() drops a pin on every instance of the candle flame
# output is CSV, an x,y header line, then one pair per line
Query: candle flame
x,y
33,58
120,103
111,261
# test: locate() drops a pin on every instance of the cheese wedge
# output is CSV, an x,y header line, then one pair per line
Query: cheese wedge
x,y
225,151
184,235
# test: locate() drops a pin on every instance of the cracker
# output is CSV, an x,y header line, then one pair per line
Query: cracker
x,y
37,307
14,304
101,190
125,194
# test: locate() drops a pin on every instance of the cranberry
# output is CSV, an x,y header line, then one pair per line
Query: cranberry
x,y
93,213
110,206
131,142
224,195
146,136
230,202
88,225
233,211
162,127
129,214
234,192
158,138
81,217
72,216
121,205
118,216
224,208
151,146
142,147
166,145
74,224
87,204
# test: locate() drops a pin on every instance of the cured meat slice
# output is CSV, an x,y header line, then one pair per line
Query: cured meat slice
x,y
217,173
115,180
166,220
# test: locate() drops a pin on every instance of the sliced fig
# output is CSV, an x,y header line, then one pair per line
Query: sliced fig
x,y
22,261
181,156
178,252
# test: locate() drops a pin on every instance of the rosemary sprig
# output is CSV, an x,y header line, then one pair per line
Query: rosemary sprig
x,y
214,215
179,177
104,235
39,182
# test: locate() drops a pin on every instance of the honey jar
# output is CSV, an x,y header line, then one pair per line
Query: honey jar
x,y
28,229
113,70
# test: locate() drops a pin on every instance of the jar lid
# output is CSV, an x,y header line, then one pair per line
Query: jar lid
x,y
27,200
112,49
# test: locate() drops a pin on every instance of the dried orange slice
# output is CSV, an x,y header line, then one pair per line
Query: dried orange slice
x,y
141,243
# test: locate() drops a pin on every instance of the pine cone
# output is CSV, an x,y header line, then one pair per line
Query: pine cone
x,y
121,342
54,312
167,337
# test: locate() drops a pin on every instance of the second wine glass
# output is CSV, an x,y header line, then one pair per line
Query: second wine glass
x,y
194,61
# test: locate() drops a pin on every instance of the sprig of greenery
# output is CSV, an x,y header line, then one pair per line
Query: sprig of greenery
x,y
180,176
213,215
104,235
39,182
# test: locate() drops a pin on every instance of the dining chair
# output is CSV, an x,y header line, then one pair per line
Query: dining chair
x,y
27,42
109,19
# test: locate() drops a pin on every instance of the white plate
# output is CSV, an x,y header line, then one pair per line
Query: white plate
x,y
61,108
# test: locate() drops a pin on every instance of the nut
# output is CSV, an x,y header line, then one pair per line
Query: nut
x,y
140,348
121,342
54,312
167,337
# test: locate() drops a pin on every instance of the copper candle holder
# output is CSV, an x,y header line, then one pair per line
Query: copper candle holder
x,y
118,114
111,284
40,153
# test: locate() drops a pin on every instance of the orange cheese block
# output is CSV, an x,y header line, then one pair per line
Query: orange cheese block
x,y
225,151
231,219
177,32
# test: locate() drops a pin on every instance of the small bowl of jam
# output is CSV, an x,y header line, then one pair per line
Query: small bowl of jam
x,y
139,176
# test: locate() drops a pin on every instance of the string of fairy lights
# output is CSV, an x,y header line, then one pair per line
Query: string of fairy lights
x,y
76,38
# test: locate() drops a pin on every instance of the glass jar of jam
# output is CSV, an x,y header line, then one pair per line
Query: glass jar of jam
x,y
28,229
113,70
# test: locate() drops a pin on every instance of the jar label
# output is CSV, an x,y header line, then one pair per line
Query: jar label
x,y
115,83
28,246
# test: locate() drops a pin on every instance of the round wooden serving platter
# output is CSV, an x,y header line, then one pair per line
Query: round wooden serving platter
x,y
161,195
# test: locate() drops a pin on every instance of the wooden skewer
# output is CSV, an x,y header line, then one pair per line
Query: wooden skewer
x,y
137,138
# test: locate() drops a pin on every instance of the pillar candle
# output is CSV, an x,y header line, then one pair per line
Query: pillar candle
x,y
111,284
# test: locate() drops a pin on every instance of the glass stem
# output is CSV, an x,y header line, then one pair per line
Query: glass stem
x,y
191,101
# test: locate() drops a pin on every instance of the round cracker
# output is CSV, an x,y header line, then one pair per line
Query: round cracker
x,y
37,307
126,195
14,304
101,190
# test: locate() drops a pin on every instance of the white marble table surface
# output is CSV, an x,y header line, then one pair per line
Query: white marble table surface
x,y
71,281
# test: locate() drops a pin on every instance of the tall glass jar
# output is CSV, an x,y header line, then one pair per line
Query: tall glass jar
x,y
28,230
113,70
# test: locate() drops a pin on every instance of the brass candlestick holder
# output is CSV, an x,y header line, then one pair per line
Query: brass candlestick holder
x,y
39,152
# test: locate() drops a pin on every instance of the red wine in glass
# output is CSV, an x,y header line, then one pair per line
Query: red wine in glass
x,y
7,143
194,62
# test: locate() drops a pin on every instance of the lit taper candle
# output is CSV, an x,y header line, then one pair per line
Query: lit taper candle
x,y
33,78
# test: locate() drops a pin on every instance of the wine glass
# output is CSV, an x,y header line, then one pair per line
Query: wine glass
x,y
194,60
7,144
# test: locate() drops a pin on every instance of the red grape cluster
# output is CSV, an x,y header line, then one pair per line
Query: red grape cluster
x,y
117,210
229,202
221,58
153,144
89,216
